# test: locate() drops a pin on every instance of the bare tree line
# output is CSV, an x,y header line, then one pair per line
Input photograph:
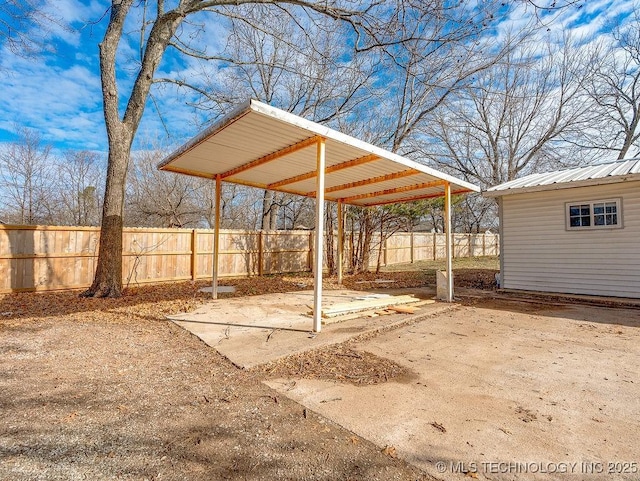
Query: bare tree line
x,y
37,187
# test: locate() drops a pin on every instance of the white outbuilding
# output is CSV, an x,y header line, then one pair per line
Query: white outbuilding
x,y
575,231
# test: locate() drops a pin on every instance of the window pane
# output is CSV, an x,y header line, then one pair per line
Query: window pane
x,y
594,214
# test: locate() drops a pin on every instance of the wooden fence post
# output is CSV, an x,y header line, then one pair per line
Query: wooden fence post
x,y
453,245
384,251
411,243
260,253
194,255
178,249
435,246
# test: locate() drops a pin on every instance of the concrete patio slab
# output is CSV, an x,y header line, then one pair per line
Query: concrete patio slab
x,y
509,391
255,330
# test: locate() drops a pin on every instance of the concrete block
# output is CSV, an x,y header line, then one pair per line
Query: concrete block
x,y
441,285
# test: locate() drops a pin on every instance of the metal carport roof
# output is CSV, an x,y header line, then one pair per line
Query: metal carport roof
x,y
265,147
262,146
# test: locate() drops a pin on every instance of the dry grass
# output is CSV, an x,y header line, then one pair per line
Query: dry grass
x,y
490,263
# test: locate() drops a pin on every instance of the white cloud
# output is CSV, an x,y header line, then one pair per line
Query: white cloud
x,y
62,102
586,22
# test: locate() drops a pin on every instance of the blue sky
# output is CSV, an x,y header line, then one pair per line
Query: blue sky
x,y
58,94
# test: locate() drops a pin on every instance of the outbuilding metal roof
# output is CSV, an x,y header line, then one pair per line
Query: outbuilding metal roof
x,y
261,146
619,171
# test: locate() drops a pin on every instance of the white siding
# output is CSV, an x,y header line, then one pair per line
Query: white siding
x,y
540,254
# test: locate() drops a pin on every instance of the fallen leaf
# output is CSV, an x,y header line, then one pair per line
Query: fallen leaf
x,y
390,451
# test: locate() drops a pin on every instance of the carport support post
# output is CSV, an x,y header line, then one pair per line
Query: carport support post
x,y
448,236
319,237
340,242
216,240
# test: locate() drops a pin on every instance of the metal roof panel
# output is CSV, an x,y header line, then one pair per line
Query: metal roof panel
x,y
618,171
245,147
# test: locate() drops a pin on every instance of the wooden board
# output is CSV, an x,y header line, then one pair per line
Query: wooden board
x,y
403,309
357,306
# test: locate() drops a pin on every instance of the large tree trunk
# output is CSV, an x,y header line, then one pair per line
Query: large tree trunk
x,y
108,279
329,240
267,197
120,132
270,208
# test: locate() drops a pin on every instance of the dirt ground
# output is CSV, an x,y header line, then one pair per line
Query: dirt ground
x,y
109,389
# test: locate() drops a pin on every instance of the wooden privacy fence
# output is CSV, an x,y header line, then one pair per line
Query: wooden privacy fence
x,y
53,257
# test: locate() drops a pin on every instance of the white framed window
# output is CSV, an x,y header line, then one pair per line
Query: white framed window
x,y
596,214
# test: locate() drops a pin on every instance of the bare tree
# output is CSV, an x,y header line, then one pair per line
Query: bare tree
x,y
614,86
513,119
162,199
240,207
160,30
24,173
420,78
78,187
475,213
159,199
301,71
25,24
298,214
429,74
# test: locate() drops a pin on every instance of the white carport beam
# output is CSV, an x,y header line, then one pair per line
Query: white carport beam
x,y
319,239
448,235
216,239
340,242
